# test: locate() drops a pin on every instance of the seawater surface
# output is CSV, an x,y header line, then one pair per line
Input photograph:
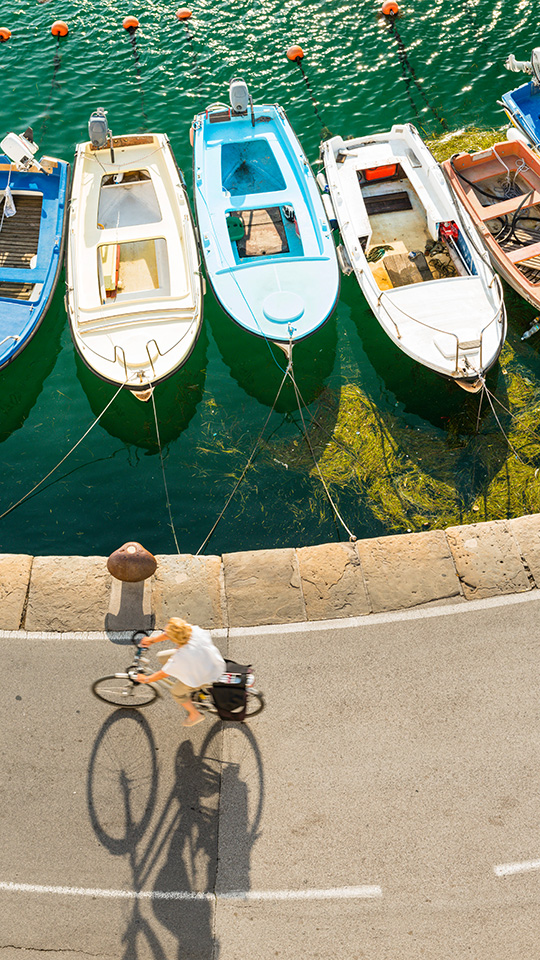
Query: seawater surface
x,y
399,448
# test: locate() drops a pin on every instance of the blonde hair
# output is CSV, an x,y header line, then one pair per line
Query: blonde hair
x,y
178,631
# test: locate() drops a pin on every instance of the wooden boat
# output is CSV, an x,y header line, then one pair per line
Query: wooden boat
x,y
32,228
500,189
429,284
266,242
134,294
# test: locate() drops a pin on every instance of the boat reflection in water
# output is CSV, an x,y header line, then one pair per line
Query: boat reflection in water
x,y
23,379
176,400
258,366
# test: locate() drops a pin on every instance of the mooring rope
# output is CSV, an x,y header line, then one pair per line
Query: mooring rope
x,y
68,454
248,464
167,500
352,537
486,390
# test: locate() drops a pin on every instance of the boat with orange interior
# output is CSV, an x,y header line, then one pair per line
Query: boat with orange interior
x,y
500,190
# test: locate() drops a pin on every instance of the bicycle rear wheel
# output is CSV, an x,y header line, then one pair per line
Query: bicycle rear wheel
x,y
121,692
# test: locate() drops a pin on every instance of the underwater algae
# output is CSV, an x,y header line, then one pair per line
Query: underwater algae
x,y
415,478
467,140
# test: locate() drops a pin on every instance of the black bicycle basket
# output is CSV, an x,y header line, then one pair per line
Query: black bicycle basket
x,y
229,691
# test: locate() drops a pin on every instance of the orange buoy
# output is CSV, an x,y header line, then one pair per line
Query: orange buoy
x,y
4,34
183,13
59,29
130,23
295,52
390,8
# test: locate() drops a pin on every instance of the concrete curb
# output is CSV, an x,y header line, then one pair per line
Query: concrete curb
x,y
52,595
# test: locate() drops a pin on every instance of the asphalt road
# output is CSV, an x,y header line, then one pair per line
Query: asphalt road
x,y
386,805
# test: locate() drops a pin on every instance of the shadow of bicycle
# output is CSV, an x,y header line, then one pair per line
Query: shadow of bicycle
x,y
171,845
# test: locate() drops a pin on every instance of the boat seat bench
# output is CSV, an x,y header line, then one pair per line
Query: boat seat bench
x,y
524,253
508,206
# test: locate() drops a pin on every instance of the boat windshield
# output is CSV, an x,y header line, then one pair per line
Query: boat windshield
x,y
127,200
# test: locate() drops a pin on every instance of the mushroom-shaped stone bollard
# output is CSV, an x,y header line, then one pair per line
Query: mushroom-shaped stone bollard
x,y
131,563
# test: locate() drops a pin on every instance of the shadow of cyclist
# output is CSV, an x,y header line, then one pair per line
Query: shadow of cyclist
x,y
173,853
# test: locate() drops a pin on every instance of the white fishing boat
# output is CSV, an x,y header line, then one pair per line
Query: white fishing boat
x,y
428,282
134,290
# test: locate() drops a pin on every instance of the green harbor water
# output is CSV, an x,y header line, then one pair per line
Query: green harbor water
x,y
399,447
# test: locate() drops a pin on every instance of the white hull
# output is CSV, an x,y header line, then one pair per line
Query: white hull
x,y
453,324
134,293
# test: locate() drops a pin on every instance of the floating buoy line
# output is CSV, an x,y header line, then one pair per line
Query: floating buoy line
x,y
183,15
58,29
390,11
131,25
296,55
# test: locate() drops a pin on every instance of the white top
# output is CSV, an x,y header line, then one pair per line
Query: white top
x,y
198,662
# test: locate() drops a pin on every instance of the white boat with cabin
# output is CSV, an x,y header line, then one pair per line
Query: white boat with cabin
x,y
134,290
419,263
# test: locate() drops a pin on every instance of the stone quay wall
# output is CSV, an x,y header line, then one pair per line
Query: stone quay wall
x,y
324,582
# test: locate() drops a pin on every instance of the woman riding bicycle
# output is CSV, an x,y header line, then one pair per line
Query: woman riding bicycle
x,y
195,663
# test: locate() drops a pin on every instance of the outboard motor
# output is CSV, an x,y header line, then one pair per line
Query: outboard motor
x,y
98,128
239,97
531,66
535,64
20,150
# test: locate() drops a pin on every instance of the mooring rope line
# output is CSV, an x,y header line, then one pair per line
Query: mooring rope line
x,y
486,390
249,461
352,537
167,500
68,454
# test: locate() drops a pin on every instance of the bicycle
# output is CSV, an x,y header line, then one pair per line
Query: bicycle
x,y
122,690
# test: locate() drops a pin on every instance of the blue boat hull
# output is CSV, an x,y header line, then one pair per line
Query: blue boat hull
x,y
522,107
265,238
31,247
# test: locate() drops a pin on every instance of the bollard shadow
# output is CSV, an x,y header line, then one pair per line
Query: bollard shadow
x,y
129,608
174,853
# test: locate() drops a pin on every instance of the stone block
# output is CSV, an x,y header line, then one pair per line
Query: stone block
x,y
488,560
526,532
332,581
14,579
407,570
263,586
68,594
191,588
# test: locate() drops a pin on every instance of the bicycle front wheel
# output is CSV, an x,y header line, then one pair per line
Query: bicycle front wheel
x,y
255,703
121,692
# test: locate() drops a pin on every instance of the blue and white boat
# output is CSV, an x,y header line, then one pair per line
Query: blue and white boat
x,y
265,237
33,203
522,106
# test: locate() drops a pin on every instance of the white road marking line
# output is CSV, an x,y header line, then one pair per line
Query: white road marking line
x,y
334,893
505,869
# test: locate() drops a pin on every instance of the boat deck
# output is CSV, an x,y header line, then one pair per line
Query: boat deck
x,y
402,250
19,236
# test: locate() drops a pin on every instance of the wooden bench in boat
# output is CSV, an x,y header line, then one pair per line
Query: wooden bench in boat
x,y
402,271
524,253
19,237
264,233
509,206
